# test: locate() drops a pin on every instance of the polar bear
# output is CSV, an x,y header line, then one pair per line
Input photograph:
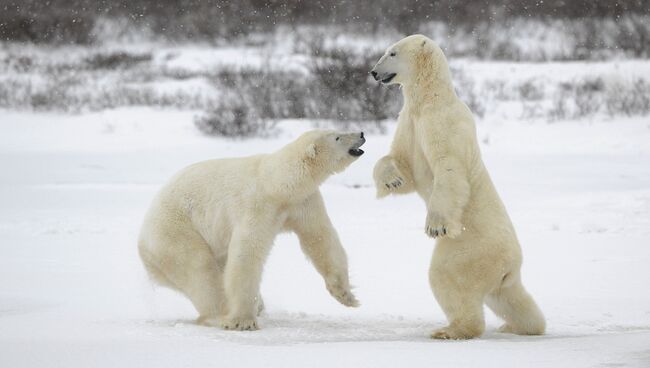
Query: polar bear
x,y
209,230
477,258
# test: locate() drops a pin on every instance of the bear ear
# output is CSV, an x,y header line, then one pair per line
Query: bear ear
x,y
423,43
312,151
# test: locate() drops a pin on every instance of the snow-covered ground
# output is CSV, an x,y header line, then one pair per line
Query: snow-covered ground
x,y
73,190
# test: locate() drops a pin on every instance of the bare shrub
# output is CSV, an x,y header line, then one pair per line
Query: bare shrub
x,y
339,91
272,94
344,89
588,97
468,92
507,30
530,91
577,99
531,95
474,101
506,50
115,60
76,93
56,26
532,109
233,118
634,35
559,109
13,62
622,99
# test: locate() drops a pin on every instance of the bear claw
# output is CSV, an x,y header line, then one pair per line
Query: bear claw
x,y
436,232
437,225
347,299
343,296
239,324
389,176
396,183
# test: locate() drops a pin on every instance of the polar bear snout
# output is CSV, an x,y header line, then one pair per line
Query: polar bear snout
x,y
355,149
383,77
387,67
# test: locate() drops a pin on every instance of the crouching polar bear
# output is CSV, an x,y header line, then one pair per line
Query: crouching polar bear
x,y
477,258
209,230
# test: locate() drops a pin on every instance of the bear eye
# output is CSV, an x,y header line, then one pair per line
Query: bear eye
x,y
393,53
337,138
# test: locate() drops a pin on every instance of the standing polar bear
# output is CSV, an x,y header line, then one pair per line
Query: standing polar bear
x,y
208,232
477,258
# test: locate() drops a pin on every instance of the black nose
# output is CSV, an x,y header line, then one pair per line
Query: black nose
x,y
374,74
361,134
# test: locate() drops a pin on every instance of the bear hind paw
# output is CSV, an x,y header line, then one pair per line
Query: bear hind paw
x,y
239,324
450,333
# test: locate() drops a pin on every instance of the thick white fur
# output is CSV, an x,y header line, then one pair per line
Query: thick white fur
x,y
208,232
477,258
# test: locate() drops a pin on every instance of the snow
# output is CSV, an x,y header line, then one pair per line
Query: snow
x,y
73,190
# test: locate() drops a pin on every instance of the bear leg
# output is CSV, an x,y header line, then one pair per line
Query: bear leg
x,y
192,271
517,308
466,320
206,293
462,304
247,254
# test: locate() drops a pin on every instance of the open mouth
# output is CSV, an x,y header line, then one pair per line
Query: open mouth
x,y
355,150
388,78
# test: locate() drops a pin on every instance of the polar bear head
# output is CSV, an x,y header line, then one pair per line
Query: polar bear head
x,y
329,151
301,166
410,60
296,170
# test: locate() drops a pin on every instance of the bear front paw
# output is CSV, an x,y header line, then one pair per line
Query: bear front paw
x,y
393,182
388,178
438,225
390,181
239,324
343,295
